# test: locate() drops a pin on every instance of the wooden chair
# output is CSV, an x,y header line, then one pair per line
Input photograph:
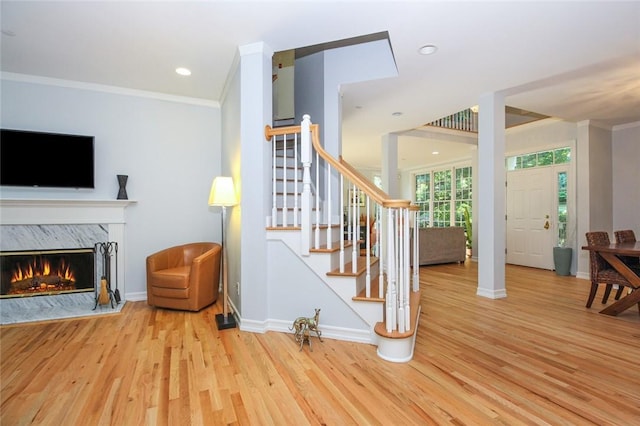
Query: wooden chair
x,y
601,271
628,236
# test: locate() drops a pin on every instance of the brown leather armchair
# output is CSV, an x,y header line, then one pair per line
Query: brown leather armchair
x,y
184,277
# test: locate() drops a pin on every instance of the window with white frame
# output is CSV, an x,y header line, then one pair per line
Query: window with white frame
x,y
463,202
444,197
423,199
539,159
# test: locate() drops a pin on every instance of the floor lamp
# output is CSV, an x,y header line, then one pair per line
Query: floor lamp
x,y
223,195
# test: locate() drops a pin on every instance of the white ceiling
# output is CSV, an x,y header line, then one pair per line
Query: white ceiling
x,y
573,60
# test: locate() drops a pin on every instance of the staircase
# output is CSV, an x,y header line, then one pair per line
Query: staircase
x,y
375,281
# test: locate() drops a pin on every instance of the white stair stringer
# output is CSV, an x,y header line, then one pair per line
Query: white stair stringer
x,y
346,287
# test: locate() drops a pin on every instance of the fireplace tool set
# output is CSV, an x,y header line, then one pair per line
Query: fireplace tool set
x,y
105,295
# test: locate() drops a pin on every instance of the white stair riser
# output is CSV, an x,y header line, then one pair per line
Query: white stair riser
x,y
290,215
291,199
290,185
371,312
290,173
288,161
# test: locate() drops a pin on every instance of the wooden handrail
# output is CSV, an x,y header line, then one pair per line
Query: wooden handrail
x,y
363,183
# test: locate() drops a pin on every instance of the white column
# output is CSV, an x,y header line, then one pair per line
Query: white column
x,y
491,196
390,165
474,200
247,257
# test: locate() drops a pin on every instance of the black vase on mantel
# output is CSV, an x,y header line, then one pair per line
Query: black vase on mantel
x,y
122,192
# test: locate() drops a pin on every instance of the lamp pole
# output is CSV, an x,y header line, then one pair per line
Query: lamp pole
x,y
224,320
222,194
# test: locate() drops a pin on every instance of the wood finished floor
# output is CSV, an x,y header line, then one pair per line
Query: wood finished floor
x,y
537,357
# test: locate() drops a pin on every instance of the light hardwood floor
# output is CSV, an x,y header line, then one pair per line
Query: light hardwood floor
x,y
536,357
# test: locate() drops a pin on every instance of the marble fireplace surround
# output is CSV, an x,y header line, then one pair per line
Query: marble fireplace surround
x,y
57,223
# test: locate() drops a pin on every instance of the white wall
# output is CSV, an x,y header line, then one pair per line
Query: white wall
x,y
626,177
539,135
231,166
169,147
600,179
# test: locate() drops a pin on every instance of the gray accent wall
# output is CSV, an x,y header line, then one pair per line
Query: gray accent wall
x,y
168,146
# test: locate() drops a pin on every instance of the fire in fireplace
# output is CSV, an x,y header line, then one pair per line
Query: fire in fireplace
x,y
31,273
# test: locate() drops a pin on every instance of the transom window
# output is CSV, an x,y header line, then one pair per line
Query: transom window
x,y
539,159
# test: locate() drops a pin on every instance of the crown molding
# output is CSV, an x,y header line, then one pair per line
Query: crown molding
x,y
48,81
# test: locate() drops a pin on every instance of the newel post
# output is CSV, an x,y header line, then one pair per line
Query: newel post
x,y
305,158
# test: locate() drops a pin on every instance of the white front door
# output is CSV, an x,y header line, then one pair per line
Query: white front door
x,y
530,201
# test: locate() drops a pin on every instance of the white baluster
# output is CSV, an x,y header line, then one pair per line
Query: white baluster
x,y
391,274
328,204
405,267
416,244
367,240
380,235
316,236
305,154
356,230
295,179
285,166
274,207
342,223
401,273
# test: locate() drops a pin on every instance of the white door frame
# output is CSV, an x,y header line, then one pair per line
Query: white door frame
x,y
570,169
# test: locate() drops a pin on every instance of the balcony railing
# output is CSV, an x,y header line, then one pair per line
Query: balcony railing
x,y
464,121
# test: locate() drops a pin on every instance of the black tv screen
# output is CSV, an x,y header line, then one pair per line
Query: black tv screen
x,y
44,159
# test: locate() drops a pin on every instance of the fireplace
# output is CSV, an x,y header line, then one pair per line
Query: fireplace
x,y
45,224
47,272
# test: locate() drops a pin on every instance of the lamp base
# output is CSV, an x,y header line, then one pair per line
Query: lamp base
x,y
224,322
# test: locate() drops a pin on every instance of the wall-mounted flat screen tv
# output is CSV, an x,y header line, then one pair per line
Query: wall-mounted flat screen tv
x,y
41,159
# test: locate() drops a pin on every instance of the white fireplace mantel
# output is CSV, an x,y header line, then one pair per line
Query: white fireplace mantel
x,y
58,211
70,212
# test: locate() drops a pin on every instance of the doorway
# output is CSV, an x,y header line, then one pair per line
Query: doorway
x,y
530,229
540,206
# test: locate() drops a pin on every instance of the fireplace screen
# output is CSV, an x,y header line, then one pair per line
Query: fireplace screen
x,y
31,273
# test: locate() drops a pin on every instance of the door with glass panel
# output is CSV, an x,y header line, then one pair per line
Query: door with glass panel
x,y
536,207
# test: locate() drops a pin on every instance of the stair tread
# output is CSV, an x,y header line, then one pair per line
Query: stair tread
x,y
298,228
414,300
375,285
283,228
361,268
291,208
335,247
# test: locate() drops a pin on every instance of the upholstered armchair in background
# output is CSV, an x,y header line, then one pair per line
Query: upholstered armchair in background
x,y
184,277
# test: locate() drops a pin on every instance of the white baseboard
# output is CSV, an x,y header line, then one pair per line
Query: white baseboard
x,y
136,297
337,333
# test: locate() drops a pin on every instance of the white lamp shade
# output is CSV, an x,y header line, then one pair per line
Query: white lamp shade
x,y
222,192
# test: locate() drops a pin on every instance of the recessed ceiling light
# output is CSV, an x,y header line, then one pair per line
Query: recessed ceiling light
x,y
435,152
428,49
183,71
396,114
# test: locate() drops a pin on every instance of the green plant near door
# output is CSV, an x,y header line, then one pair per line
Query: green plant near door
x,y
468,229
